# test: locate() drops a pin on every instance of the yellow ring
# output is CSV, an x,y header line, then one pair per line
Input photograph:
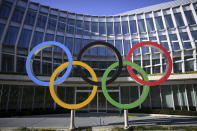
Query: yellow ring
x,y
72,106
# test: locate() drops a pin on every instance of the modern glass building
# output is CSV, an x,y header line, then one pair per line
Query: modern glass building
x,y
24,24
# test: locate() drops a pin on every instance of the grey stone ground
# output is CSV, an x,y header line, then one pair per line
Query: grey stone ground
x,y
95,120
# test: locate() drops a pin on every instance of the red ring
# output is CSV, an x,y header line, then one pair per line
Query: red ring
x,y
161,48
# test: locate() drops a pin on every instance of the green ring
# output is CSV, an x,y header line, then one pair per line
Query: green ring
x,y
138,101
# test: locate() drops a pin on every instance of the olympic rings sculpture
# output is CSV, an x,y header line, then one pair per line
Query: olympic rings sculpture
x,y
94,82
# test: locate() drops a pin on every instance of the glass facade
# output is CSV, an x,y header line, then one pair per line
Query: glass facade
x,y
23,27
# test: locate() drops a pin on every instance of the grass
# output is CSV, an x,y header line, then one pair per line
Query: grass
x,y
142,128
135,128
33,129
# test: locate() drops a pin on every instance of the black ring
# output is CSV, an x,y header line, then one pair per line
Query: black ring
x,y
115,50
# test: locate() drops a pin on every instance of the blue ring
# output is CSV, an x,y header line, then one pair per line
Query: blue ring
x,y
39,47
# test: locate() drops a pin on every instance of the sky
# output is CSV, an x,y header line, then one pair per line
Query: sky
x,y
99,7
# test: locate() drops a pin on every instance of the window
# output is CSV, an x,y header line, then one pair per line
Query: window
x,y
59,39
137,51
164,42
85,42
5,9
11,35
194,35
102,28
94,27
49,37
141,26
145,49
8,63
190,17
69,43
159,23
52,22
127,46
46,68
133,26
77,46
118,45
18,14
25,38
174,42
110,52
189,65
30,17
101,51
37,38
165,45
169,22
179,19
87,28
185,40
150,24
1,29
19,66
70,26
61,24
117,28
110,28
42,19
177,67
125,27
156,69
79,27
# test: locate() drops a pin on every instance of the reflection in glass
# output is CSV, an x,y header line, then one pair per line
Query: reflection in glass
x,y
133,26
42,19
150,24
5,8
127,46
94,27
70,26
37,38
185,40
179,19
159,23
25,38
117,28
86,27
102,28
79,27
110,28
169,22
69,43
118,45
141,26
18,14
189,17
11,35
125,27
30,17
52,22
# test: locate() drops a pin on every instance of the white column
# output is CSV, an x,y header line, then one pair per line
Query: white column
x,y
172,97
186,98
72,120
194,93
126,122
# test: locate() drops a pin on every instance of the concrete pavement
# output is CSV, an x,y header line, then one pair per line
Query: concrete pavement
x,y
95,120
